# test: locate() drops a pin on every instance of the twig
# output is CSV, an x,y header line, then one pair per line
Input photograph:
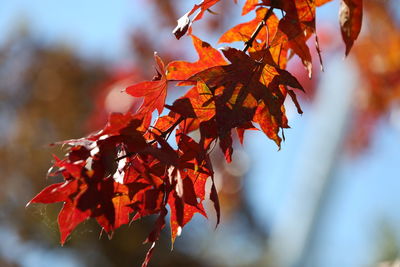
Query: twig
x,y
262,23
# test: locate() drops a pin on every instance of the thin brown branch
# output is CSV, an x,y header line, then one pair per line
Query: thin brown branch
x,y
262,23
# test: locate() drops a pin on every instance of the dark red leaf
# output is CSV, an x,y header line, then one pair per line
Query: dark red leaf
x,y
56,192
154,92
68,218
350,17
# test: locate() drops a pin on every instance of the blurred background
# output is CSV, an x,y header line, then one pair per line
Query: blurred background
x,y
329,197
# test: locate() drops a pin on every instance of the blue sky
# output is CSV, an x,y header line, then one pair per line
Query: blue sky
x,y
95,28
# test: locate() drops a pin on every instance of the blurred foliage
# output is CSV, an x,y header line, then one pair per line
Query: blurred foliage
x,y
378,61
388,247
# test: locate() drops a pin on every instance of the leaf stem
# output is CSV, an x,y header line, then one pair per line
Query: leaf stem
x,y
262,23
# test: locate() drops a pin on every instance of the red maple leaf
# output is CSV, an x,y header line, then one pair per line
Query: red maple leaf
x,y
208,57
154,92
350,18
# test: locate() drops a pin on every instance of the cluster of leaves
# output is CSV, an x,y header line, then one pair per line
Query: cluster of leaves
x,y
380,91
129,169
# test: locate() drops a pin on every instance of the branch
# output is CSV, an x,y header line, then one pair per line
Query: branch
x,y
262,23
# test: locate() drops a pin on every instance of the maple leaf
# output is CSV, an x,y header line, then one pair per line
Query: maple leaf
x,y
249,6
270,113
193,157
292,28
118,123
195,162
244,31
88,190
58,192
104,200
241,130
350,18
321,2
68,218
183,208
184,22
237,90
197,103
109,203
295,28
203,6
194,170
208,57
154,92
182,27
